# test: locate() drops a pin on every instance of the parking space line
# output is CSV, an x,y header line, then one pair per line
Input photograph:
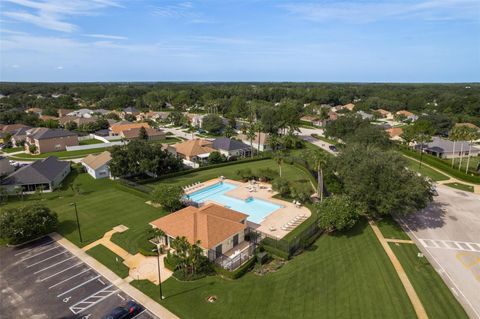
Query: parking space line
x,y
61,271
136,316
43,252
48,258
71,277
93,299
78,286
51,266
30,249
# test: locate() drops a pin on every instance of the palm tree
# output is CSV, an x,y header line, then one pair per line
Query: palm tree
x,y
273,141
463,134
251,135
472,136
259,128
157,235
319,159
279,158
453,136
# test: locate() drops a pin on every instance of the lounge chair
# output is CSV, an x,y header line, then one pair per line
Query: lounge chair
x,y
271,228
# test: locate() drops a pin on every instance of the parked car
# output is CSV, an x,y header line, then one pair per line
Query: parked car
x,y
333,148
128,311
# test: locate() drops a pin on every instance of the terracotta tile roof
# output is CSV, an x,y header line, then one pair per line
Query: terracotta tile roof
x,y
383,112
12,128
134,132
395,131
96,161
193,147
118,127
263,138
405,112
210,224
349,106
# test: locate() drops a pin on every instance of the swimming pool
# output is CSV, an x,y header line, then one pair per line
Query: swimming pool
x,y
257,209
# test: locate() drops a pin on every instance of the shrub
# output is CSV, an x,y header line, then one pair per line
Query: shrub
x,y
168,196
245,174
18,225
266,174
301,191
237,273
281,185
337,212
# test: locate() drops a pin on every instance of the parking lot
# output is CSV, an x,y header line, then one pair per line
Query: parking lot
x,y
44,280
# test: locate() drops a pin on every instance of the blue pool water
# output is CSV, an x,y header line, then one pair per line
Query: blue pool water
x,y
257,209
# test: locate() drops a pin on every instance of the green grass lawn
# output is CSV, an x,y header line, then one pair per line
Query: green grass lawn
x,y
290,172
390,228
102,205
62,154
109,259
90,142
426,171
134,239
12,149
460,186
343,276
437,299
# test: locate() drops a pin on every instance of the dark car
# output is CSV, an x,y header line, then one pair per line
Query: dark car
x,y
333,148
130,310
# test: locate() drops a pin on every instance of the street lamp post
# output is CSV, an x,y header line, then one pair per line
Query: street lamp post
x,y
74,204
159,276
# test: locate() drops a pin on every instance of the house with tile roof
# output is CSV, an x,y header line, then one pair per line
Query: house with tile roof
x,y
395,133
231,148
46,174
48,140
217,228
444,148
97,166
384,113
259,142
117,128
408,115
134,133
196,150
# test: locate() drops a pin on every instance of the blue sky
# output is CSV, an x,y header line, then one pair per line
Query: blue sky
x,y
245,40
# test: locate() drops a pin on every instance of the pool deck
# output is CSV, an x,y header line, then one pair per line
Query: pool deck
x,y
272,224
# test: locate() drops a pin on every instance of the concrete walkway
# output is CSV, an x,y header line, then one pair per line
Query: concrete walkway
x,y
399,241
476,187
141,267
412,294
150,304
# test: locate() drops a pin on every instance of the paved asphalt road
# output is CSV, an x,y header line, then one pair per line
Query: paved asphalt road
x,y
43,280
448,232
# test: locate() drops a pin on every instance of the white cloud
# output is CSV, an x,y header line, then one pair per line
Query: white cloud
x,y
14,66
354,12
180,10
59,67
53,14
106,36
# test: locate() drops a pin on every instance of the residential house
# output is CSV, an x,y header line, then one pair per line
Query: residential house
x,y
154,116
219,230
47,173
365,115
384,114
444,148
97,166
49,140
231,148
18,138
87,113
192,151
133,133
349,106
48,117
259,142
101,112
8,130
395,133
78,120
408,115
5,166
117,128
129,111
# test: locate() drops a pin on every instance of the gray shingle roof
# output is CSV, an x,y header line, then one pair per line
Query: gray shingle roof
x,y
39,172
441,145
43,133
227,144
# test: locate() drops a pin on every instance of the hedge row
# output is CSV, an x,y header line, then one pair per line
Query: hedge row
x,y
441,165
277,252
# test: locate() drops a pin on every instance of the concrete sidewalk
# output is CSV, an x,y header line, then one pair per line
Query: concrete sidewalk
x,y
147,302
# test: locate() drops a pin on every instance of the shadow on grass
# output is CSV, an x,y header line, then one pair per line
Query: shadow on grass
x,y
358,229
189,290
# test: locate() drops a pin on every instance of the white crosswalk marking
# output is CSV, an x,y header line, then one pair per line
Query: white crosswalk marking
x,y
450,244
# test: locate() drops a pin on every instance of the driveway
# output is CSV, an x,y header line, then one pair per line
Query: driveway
x,y
178,132
448,233
305,134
